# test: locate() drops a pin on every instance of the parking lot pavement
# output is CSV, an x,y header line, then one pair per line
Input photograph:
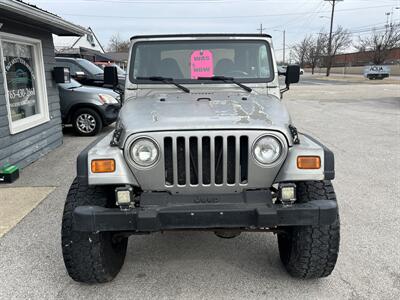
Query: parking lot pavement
x,y
360,123
343,79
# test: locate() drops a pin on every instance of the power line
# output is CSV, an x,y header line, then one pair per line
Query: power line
x,y
307,19
213,17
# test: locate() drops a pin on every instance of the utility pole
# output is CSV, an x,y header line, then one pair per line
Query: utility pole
x,y
328,69
387,19
261,29
284,43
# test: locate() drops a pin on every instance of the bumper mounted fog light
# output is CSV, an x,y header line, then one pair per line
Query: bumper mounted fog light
x,y
124,197
287,193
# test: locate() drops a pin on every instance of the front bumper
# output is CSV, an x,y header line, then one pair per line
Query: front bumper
x,y
110,112
201,214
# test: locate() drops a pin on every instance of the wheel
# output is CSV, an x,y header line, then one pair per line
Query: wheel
x,y
90,257
311,251
87,122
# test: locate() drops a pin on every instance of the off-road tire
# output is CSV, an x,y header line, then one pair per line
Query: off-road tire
x,y
311,251
90,257
94,115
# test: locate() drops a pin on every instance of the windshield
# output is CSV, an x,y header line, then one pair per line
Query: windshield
x,y
120,71
71,85
90,67
186,61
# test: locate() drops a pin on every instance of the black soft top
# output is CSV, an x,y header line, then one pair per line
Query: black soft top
x,y
201,35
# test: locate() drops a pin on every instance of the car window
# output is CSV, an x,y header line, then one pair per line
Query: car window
x,y
119,70
89,67
72,67
71,85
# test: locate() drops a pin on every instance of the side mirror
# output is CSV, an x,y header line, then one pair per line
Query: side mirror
x,y
61,75
110,76
292,74
80,75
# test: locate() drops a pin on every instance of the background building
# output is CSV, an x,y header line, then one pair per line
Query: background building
x,y
30,119
364,58
87,41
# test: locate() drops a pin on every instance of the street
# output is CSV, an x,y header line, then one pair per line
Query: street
x,y
359,122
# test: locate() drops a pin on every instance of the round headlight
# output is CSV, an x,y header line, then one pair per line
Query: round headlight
x,y
144,152
267,150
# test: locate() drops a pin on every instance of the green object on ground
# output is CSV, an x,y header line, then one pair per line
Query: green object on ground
x,y
8,169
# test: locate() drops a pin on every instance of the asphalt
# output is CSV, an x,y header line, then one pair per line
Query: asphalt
x,y
344,79
360,123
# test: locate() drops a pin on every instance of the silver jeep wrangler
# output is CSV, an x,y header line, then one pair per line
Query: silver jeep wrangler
x,y
203,142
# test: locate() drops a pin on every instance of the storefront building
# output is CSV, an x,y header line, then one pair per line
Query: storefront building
x,y
30,119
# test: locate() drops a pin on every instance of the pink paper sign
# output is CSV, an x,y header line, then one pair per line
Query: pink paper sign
x,y
201,64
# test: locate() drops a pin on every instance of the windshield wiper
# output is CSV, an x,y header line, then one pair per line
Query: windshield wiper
x,y
227,79
166,80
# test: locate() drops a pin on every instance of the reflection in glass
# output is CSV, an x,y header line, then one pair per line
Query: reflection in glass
x,y
20,78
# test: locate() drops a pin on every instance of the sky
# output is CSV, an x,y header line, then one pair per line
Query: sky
x,y
297,17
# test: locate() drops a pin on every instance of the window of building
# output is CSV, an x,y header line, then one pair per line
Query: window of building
x,y
24,81
90,39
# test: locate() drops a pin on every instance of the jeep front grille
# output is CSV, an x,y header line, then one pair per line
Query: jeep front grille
x,y
206,160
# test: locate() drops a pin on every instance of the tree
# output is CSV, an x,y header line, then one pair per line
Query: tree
x,y
378,44
301,50
340,41
117,44
315,51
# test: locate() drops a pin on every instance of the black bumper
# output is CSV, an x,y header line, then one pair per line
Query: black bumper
x,y
245,215
110,113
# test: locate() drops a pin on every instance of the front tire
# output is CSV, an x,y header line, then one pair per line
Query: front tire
x,y
90,257
311,251
87,122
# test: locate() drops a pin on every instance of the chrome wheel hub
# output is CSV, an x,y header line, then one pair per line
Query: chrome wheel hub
x,y
86,123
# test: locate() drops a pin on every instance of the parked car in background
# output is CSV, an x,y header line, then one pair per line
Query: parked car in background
x,y
87,108
84,71
282,70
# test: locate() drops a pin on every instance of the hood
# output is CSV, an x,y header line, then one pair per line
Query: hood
x,y
204,111
95,90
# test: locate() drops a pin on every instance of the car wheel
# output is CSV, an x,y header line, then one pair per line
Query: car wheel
x,y
90,257
310,251
87,122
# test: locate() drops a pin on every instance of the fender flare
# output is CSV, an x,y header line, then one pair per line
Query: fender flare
x,y
329,159
82,161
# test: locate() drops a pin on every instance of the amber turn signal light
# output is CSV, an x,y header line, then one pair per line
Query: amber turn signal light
x,y
103,166
308,162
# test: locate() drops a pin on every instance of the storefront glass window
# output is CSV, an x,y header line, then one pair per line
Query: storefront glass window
x,y
22,70
21,80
